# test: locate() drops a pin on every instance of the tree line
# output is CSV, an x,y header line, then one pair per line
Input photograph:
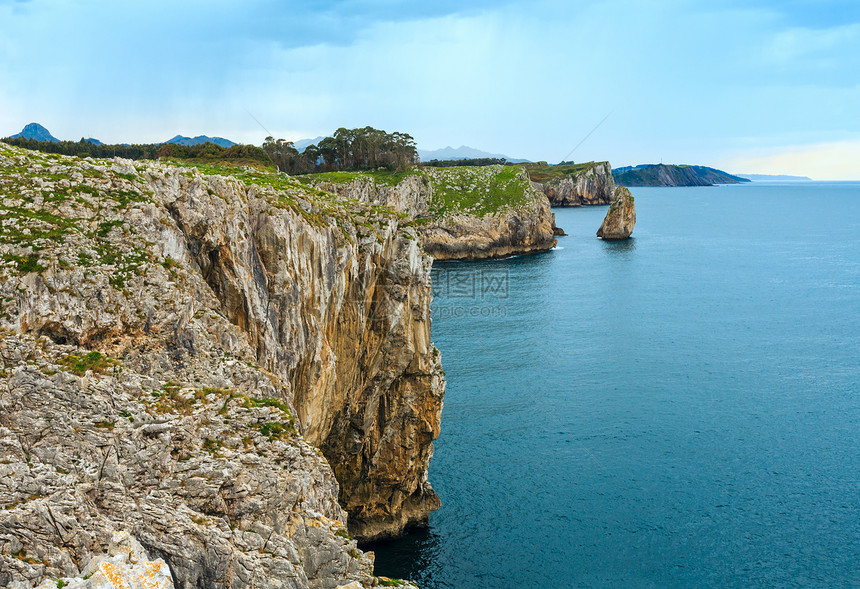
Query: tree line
x,y
204,152
480,161
84,148
347,149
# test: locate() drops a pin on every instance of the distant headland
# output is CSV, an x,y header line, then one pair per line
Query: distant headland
x,y
673,175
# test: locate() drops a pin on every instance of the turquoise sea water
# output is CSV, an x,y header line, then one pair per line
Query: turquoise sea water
x,y
677,410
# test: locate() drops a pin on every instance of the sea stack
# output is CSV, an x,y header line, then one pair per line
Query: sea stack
x,y
621,217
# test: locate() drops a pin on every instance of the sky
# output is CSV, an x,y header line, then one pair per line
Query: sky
x,y
755,86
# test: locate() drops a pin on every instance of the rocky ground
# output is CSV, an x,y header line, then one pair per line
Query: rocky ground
x,y
176,344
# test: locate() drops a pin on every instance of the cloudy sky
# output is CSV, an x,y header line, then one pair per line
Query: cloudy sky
x,y
750,86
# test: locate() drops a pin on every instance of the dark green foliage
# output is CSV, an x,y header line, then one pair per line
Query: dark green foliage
x,y
76,148
348,149
95,361
276,430
482,161
26,264
240,155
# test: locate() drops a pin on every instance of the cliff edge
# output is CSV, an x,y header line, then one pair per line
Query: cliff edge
x,y
574,185
223,363
460,213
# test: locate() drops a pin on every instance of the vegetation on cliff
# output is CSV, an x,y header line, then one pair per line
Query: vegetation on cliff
x,y
543,172
573,185
347,149
673,175
189,304
463,212
235,155
470,190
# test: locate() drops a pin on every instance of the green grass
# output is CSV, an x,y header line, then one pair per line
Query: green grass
x,y
95,361
274,430
541,172
475,190
25,264
384,177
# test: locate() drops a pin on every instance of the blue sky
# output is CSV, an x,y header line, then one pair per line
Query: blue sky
x,y
756,86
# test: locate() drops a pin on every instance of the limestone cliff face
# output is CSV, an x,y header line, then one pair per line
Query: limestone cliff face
x,y
176,346
620,218
594,186
463,213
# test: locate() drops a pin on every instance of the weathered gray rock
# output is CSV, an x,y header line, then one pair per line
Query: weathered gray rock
x,y
125,566
464,213
594,186
194,360
620,218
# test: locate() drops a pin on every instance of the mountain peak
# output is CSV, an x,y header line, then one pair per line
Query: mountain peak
x,y
463,152
35,131
182,140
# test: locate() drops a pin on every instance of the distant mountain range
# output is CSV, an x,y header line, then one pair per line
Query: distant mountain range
x,y
463,152
301,144
672,175
182,140
40,133
425,155
37,132
775,178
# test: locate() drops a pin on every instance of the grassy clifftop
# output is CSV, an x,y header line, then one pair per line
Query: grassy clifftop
x,y
543,172
65,211
471,190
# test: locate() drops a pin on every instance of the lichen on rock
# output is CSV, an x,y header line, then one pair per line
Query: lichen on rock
x,y
125,566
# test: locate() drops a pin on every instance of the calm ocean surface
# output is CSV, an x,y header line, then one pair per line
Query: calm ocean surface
x,y
678,410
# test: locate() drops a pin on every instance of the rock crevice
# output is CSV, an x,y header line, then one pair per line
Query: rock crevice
x,y
221,366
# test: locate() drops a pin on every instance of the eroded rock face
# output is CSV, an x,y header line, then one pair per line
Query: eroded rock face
x,y
241,326
217,483
594,186
465,213
621,217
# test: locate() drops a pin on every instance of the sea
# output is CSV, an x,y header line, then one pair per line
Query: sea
x,y
681,409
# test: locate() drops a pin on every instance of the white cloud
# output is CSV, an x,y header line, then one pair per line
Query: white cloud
x,y
838,160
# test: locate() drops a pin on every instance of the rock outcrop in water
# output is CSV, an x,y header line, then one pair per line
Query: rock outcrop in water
x,y
621,217
219,366
460,213
591,185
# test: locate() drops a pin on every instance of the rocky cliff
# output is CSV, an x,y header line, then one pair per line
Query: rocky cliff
x,y
620,218
582,185
460,213
223,366
673,175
